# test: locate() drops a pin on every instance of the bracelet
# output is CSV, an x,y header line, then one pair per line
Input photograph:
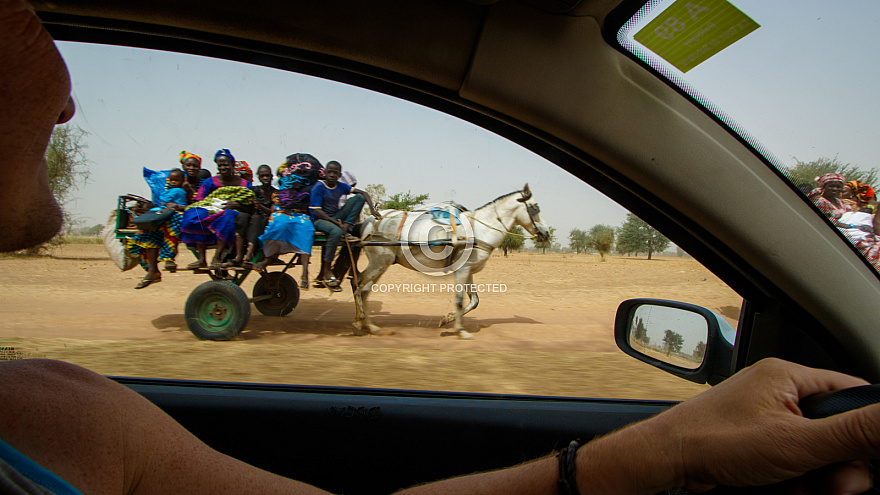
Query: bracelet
x,y
567,482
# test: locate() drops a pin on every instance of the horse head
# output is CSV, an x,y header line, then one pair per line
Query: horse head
x,y
532,220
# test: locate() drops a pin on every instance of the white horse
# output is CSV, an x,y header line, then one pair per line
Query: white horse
x,y
440,242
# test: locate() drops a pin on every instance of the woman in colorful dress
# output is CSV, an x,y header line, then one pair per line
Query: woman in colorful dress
x,y
210,220
290,228
151,247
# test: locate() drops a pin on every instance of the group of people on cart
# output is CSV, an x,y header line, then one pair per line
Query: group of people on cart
x,y
257,223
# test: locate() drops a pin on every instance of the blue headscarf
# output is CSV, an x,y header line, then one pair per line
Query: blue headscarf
x,y
224,152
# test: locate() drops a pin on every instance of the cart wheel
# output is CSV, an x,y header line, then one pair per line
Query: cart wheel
x,y
217,310
282,287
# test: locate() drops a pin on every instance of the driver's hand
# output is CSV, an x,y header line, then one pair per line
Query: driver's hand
x,y
748,431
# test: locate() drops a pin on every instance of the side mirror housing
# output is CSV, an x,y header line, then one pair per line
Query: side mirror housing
x,y
683,339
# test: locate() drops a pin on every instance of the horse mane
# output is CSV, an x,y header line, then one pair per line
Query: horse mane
x,y
499,198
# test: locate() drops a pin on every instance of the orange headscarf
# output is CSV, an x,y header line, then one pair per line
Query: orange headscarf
x,y
186,155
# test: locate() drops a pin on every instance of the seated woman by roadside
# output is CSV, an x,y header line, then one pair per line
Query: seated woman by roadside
x,y
211,219
859,196
851,215
290,229
828,197
153,246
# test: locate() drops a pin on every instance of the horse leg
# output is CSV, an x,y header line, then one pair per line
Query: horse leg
x,y
463,280
473,302
380,260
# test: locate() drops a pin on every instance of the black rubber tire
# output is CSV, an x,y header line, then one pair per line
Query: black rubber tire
x,y
284,289
217,310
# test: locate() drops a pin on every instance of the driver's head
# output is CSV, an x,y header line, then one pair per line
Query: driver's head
x,y
34,96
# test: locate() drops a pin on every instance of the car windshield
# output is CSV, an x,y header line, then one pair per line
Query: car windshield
x,y
546,309
793,79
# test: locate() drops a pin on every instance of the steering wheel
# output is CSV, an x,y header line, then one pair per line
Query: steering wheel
x,y
827,404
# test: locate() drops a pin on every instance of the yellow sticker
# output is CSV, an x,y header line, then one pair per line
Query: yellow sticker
x,y
688,32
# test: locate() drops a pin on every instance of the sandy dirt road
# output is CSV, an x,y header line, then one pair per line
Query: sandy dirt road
x,y
549,332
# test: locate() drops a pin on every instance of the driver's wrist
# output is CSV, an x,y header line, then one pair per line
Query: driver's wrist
x,y
635,460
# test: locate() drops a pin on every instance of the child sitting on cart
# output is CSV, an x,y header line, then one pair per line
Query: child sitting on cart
x,y
254,225
335,220
175,196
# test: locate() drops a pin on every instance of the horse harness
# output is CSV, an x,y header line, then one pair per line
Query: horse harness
x,y
532,211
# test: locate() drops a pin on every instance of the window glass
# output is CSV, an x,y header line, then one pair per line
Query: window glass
x,y
545,315
798,88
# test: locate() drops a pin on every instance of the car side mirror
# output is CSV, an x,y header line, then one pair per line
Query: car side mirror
x,y
689,341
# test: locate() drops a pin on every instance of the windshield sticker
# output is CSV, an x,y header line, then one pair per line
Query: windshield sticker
x,y
688,33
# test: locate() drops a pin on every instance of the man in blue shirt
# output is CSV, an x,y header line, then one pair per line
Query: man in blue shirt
x,y
333,220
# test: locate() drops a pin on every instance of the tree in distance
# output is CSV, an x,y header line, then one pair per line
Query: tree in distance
x,y
88,231
551,236
806,172
377,194
641,333
672,341
699,350
514,240
636,236
67,171
403,201
601,238
577,240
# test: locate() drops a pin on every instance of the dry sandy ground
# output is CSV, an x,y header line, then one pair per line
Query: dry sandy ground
x,y
549,333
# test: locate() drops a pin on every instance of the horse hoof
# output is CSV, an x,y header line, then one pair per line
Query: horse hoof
x,y
358,329
381,332
446,319
465,335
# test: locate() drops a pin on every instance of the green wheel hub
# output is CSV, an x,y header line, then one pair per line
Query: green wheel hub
x,y
217,310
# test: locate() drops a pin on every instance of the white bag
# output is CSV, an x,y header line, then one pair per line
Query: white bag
x,y
115,247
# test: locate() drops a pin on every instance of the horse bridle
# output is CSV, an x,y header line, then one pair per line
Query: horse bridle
x,y
530,209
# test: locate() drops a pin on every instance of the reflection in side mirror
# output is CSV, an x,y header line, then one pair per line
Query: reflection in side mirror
x,y
688,341
672,335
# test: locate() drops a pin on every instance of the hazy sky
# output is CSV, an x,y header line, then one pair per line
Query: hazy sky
x,y
141,108
796,83
804,82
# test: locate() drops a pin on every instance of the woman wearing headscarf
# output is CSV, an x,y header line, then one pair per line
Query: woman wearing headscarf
x,y
210,220
290,228
151,247
192,166
243,170
828,196
859,196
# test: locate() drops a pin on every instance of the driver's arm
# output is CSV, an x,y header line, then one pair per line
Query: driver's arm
x,y
747,431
